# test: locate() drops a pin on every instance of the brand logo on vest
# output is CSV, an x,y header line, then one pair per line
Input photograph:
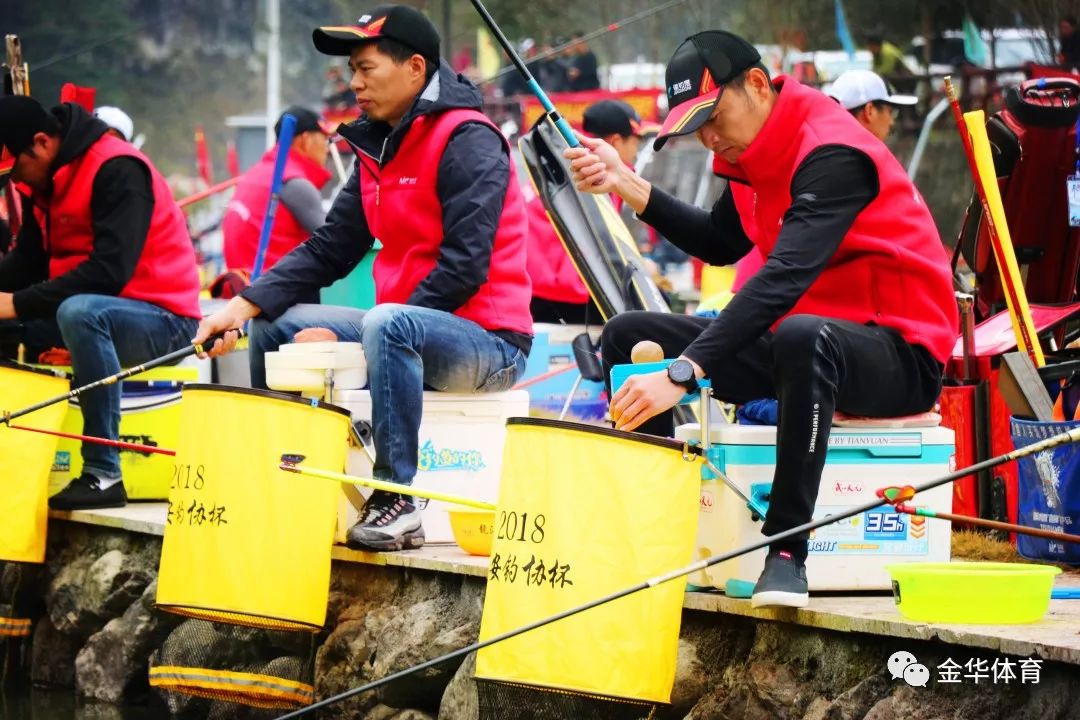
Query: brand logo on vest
x,y
407,181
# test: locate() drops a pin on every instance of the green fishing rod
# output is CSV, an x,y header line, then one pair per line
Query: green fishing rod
x,y
549,108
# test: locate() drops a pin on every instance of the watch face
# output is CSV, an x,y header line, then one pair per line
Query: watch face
x,y
681,371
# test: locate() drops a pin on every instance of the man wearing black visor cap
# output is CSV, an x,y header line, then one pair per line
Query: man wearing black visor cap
x,y
853,309
434,183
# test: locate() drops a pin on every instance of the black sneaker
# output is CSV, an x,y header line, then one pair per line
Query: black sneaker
x,y
782,583
390,522
85,493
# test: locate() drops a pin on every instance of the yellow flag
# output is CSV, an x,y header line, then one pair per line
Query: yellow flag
x,y
488,59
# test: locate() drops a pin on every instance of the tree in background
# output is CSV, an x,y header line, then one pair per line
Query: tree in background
x,y
1047,15
174,63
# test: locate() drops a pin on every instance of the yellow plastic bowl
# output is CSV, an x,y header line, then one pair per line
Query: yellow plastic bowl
x,y
473,530
980,593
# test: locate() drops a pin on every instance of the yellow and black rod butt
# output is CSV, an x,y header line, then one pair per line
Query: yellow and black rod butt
x,y
166,359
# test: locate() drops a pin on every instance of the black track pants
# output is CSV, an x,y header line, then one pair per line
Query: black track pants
x,y
812,365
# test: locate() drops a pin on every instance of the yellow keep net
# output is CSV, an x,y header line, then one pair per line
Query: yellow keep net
x,y
584,512
246,542
26,458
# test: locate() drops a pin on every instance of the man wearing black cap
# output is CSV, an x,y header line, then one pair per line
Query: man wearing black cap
x,y
301,210
853,309
435,184
617,124
103,265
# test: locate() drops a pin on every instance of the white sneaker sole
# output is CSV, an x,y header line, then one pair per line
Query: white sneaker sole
x,y
779,598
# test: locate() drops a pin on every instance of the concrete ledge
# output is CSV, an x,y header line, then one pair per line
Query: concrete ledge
x,y
439,557
1056,637
148,518
139,517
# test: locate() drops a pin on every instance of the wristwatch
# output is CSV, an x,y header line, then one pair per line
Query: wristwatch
x,y
681,372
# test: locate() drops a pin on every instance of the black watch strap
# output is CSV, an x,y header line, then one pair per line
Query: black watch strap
x,y
681,372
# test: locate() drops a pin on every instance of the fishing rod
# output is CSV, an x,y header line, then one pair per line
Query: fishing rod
x,y
610,27
48,62
119,444
1070,436
989,524
564,127
285,138
203,194
167,359
290,463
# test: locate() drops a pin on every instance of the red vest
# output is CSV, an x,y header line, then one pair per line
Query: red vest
x,y
244,216
403,211
551,270
166,274
891,268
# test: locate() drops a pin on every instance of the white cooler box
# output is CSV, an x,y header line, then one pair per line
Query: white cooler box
x,y
461,450
850,554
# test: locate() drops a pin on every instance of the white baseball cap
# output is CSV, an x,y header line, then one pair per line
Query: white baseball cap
x,y
117,119
855,88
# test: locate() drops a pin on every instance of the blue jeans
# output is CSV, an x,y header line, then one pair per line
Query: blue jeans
x,y
104,334
408,349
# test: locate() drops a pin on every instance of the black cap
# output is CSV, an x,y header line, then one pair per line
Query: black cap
x,y
696,75
306,121
21,117
611,117
403,23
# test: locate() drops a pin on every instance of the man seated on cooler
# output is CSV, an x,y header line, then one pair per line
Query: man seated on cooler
x,y
434,182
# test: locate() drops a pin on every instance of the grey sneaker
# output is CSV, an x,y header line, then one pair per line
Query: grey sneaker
x,y
782,582
390,522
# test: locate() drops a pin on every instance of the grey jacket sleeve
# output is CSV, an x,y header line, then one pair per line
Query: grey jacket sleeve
x,y
304,201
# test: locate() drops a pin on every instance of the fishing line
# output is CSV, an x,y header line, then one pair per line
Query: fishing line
x,y
611,27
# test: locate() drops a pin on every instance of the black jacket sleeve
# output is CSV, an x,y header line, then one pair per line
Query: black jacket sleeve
x,y
121,206
829,189
717,237
329,254
27,262
473,176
